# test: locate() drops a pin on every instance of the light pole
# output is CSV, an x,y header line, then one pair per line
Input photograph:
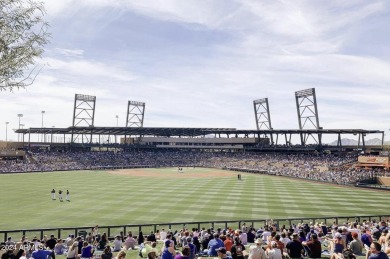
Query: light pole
x,y
6,132
21,127
52,133
116,116
43,135
43,112
20,115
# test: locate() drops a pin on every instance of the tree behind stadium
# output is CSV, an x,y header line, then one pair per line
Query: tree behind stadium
x,y
23,33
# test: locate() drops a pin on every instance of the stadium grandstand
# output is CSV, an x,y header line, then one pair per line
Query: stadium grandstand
x,y
263,150
84,134
196,138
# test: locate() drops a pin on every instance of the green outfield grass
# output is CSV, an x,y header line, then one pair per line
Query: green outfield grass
x,y
100,197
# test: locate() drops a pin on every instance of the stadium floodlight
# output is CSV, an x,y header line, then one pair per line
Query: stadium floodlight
x,y
20,115
6,132
135,114
43,135
306,102
307,108
117,117
262,114
42,112
83,115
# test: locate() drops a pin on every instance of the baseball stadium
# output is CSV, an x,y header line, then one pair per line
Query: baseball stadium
x,y
135,185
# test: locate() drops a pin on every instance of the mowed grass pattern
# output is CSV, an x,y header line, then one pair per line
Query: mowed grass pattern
x,y
100,197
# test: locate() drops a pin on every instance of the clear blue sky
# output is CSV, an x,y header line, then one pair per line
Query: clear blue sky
x,y
201,63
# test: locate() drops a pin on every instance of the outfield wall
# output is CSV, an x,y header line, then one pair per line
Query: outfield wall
x,y
373,160
384,181
12,154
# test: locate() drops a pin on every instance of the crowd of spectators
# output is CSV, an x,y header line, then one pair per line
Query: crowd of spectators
x,y
321,167
271,241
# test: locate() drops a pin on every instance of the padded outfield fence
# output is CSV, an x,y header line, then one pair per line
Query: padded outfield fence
x,y
147,228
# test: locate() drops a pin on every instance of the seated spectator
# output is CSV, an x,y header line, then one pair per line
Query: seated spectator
x,y
382,238
294,247
102,242
214,244
314,246
80,244
192,247
157,234
17,247
366,238
117,244
387,248
21,254
60,248
274,252
130,242
8,254
251,235
140,238
243,237
152,255
337,246
256,251
121,255
89,238
205,243
43,254
237,249
149,247
375,252
107,254
356,245
222,254
185,253
73,251
69,240
151,237
168,251
51,243
87,250
228,243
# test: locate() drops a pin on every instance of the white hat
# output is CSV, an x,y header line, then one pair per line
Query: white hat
x,y
258,241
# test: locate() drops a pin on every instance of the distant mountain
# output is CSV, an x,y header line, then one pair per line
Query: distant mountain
x,y
352,142
375,141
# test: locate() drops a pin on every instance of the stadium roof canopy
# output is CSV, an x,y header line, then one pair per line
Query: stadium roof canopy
x,y
183,132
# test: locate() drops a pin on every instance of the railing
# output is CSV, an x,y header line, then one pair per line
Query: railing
x,y
61,232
